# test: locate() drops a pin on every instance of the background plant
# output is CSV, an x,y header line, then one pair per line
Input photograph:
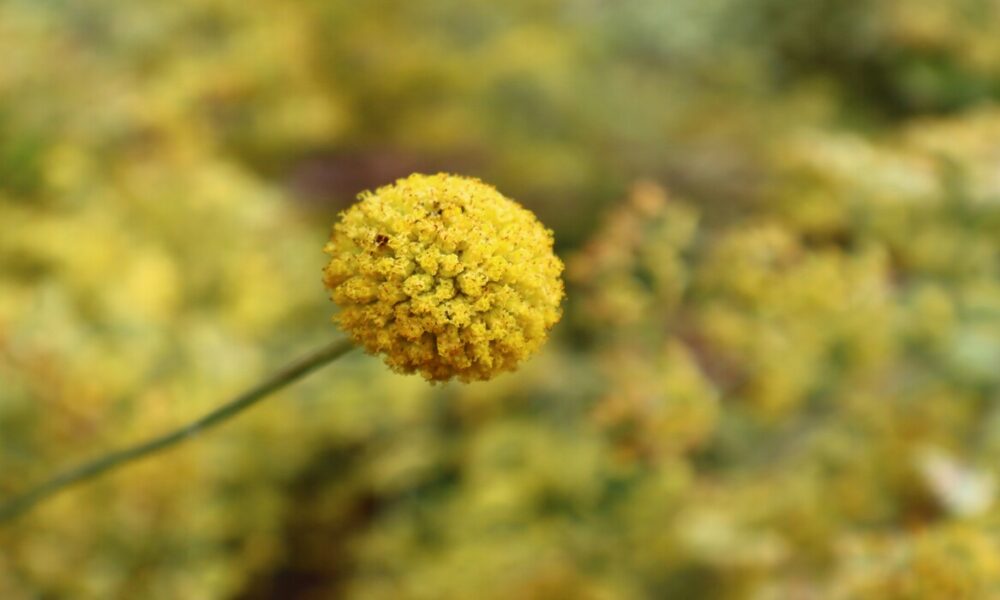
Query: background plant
x,y
776,376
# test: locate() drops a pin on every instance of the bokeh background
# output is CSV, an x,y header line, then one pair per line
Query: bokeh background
x,y
777,377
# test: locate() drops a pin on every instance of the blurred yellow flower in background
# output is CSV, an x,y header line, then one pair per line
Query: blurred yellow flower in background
x,y
775,375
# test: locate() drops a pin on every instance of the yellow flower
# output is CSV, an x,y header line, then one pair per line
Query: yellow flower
x,y
444,275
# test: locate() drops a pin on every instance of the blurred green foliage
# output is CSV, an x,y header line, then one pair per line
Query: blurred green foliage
x,y
778,372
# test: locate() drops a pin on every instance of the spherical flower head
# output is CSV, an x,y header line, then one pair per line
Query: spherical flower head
x,y
444,276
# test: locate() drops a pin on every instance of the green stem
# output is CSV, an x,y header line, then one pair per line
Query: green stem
x,y
293,372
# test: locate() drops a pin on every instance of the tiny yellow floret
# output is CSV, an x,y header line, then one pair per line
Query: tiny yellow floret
x,y
445,276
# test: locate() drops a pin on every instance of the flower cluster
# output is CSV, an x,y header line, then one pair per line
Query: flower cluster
x,y
444,275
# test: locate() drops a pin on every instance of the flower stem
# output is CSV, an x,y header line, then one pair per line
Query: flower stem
x,y
291,373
